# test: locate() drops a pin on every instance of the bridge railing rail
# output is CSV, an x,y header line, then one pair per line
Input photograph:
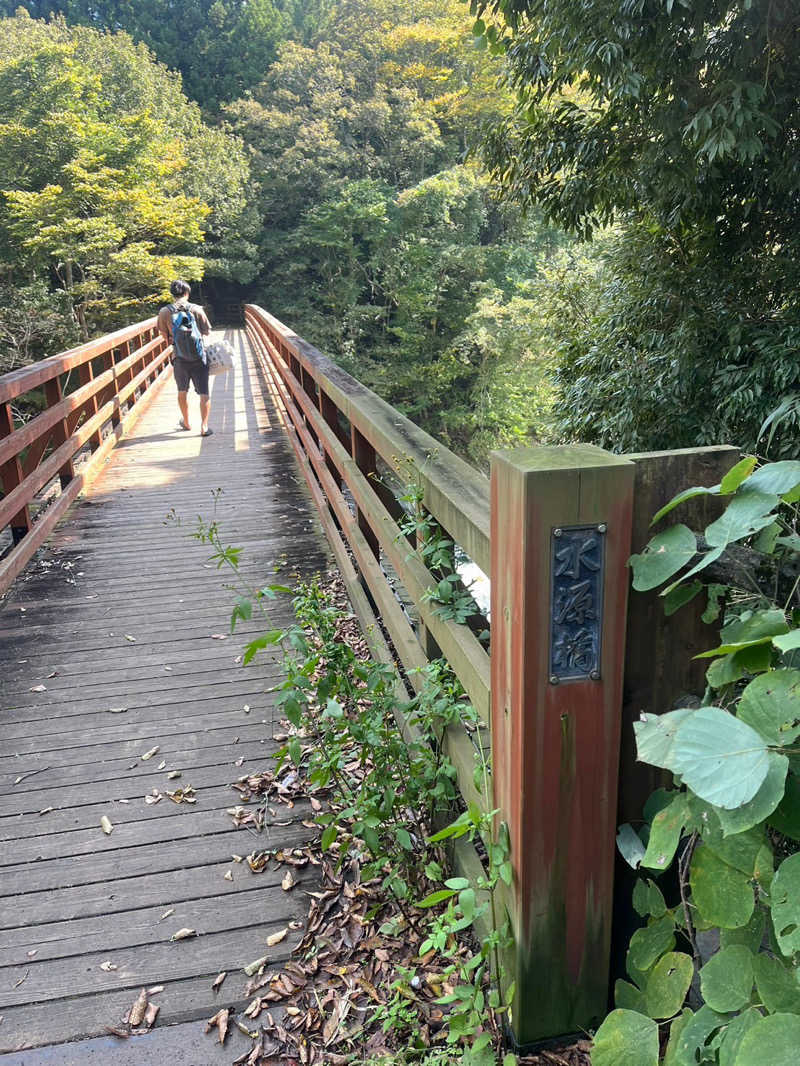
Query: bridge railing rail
x,y
345,437
86,398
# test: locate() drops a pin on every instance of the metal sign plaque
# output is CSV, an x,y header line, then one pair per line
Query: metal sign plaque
x,y
577,566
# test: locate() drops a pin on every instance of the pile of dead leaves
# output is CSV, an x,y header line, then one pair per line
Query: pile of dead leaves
x,y
324,1004
576,1054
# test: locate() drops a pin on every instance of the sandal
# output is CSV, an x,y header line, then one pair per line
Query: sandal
x,y
182,424
207,432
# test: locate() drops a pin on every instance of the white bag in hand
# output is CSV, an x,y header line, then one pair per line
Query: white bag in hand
x,y
220,357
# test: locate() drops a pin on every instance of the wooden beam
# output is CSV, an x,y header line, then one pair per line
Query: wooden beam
x,y
555,742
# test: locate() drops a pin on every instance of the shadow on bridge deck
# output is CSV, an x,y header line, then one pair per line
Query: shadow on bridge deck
x,y
111,645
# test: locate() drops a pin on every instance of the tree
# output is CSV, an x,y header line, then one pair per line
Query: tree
x,y
107,186
680,120
220,47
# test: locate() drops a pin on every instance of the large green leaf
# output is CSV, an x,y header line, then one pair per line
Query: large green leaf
x,y
686,494
626,1038
735,1033
723,895
668,984
630,845
776,984
745,514
651,942
665,832
739,851
672,1056
695,1033
753,659
751,625
655,735
773,1041
762,804
786,904
648,899
720,758
786,816
778,478
726,980
629,997
787,641
663,556
771,705
750,935
737,474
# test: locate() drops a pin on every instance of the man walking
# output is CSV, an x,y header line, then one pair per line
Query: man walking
x,y
183,325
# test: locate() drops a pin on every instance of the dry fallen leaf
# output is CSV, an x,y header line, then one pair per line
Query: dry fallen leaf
x,y
276,938
246,708
117,710
149,754
219,979
105,825
39,688
53,673
173,775
219,636
183,795
136,1013
130,638
162,765
32,953
154,990
228,875
166,914
23,978
237,858
151,1014
108,966
220,1021
183,934
255,966
46,810
154,797
288,881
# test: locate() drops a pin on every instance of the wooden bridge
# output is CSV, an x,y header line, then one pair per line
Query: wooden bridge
x,y
120,682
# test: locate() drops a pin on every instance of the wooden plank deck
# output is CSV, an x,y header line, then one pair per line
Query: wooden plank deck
x,y
72,898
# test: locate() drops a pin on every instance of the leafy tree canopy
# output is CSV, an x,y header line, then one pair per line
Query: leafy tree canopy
x,y
106,180
678,119
220,47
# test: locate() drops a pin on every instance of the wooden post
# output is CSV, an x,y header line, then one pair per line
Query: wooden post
x,y
330,412
85,375
660,668
560,541
11,475
364,455
60,433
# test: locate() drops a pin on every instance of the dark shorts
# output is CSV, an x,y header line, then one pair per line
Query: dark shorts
x,y
194,370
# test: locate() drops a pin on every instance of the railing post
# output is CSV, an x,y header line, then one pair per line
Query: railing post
x,y
364,455
560,541
60,432
11,475
86,375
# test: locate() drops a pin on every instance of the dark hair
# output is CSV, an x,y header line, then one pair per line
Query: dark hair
x,y
180,288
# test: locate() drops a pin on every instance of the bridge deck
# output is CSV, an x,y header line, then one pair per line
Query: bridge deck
x,y
110,646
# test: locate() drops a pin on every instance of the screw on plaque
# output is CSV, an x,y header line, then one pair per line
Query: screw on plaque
x,y
558,532
554,680
595,675
602,528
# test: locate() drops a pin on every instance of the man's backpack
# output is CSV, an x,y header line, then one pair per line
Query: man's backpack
x,y
187,340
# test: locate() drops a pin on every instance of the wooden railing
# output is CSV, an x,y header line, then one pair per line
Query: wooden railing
x,y
553,531
348,440
90,395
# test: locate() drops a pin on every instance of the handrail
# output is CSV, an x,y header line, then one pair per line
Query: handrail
x,y
115,372
340,465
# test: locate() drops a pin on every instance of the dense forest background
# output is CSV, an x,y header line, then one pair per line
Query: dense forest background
x,y
526,221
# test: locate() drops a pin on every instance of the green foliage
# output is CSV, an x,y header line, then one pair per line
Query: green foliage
x,y
112,185
220,47
678,121
736,792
